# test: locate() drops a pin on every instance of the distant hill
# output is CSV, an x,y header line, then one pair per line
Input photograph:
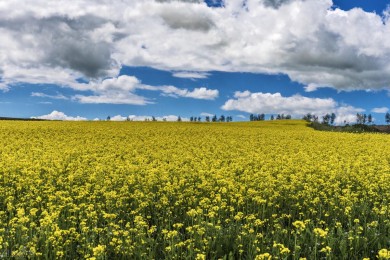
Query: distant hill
x,y
21,119
383,128
355,128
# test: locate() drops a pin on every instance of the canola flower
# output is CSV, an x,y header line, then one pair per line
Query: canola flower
x,y
160,190
384,254
320,232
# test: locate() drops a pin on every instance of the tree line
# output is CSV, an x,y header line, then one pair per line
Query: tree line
x,y
327,119
214,118
261,117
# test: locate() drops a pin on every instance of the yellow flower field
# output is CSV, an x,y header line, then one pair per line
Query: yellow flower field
x,y
160,190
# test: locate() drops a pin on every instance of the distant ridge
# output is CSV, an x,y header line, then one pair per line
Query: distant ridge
x,y
355,128
21,119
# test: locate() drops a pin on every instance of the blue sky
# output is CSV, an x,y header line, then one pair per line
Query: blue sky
x,y
90,60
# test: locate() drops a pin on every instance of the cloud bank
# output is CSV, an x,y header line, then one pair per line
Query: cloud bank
x,y
57,115
122,90
168,118
310,41
297,105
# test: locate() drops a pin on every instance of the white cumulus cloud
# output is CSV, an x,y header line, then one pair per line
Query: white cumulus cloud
x,y
346,114
171,118
57,115
168,118
380,110
275,103
206,114
121,90
118,118
297,105
203,93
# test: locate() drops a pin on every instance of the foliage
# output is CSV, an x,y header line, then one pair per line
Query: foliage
x,y
153,190
387,118
355,128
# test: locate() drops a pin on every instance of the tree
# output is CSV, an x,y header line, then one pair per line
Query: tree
x,y
154,119
199,119
326,119
308,117
214,119
361,118
191,118
387,117
261,117
332,118
272,117
222,118
207,119
288,117
369,119
108,118
251,117
178,119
